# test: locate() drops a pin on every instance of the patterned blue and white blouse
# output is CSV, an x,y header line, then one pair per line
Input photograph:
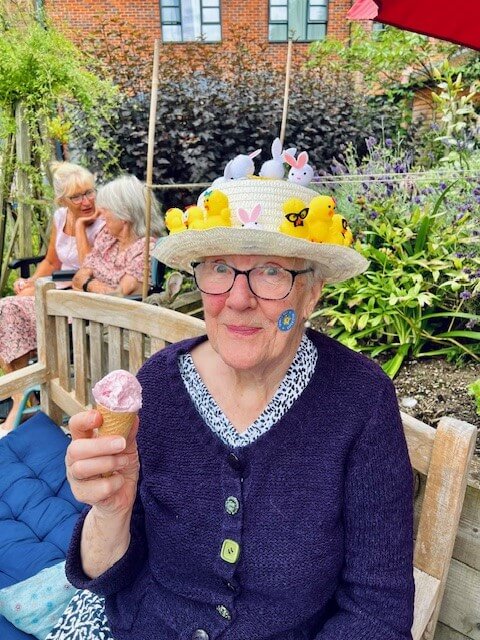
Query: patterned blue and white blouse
x,y
296,379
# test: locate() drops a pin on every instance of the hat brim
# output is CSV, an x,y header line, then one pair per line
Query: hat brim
x,y
178,250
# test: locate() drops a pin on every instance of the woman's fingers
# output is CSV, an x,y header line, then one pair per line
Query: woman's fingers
x,y
90,464
93,467
82,424
84,445
83,448
98,490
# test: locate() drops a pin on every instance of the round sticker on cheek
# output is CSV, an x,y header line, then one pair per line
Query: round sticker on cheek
x,y
287,320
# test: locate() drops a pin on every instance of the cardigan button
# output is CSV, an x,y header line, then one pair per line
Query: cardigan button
x,y
230,551
224,612
200,634
232,505
234,462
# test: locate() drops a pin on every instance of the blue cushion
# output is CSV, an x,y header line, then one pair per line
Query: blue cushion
x,y
37,508
9,632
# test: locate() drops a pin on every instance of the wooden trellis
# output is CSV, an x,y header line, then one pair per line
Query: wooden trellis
x,y
18,201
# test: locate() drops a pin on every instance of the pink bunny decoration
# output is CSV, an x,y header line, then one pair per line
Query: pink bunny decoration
x,y
249,220
301,172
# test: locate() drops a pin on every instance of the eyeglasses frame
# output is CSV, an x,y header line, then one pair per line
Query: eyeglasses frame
x,y
238,272
82,196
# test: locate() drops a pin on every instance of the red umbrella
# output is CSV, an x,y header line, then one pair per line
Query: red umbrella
x,y
458,22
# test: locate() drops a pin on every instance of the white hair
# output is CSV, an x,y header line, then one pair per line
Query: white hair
x,y
68,176
316,275
125,197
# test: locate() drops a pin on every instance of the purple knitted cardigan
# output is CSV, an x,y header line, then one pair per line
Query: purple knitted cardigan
x,y
305,533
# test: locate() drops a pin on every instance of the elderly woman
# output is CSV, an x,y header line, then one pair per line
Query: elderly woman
x,y
75,226
115,265
274,496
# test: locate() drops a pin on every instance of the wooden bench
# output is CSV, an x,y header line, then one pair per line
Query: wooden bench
x,y
440,456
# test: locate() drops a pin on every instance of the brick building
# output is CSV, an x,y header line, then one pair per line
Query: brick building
x,y
180,21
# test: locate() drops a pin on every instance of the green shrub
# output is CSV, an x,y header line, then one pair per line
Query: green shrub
x,y
420,294
45,74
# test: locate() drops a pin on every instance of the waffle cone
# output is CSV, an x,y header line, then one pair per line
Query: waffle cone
x,y
115,423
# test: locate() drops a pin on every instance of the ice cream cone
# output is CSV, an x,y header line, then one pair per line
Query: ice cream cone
x,y
115,423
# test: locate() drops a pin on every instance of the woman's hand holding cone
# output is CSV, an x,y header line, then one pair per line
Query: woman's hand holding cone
x,y
89,459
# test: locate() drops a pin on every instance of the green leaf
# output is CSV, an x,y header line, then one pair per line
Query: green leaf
x,y
424,299
469,335
422,234
379,256
392,366
362,321
452,314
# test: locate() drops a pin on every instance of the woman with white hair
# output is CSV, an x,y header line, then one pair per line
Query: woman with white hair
x,y
115,265
75,226
274,496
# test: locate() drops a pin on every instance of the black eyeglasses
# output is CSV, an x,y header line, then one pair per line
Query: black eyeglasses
x,y
267,282
78,197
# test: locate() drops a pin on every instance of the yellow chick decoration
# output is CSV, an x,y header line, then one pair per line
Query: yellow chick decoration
x,y
215,201
340,232
295,213
174,220
321,212
221,220
195,217
217,210
348,235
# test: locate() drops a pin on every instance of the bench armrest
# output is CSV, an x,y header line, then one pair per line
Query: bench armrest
x,y
18,381
63,276
24,264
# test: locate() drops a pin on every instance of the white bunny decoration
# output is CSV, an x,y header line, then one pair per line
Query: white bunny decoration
x,y
242,166
301,172
249,220
274,168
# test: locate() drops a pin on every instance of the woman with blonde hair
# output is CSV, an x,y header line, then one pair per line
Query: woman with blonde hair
x,y
75,226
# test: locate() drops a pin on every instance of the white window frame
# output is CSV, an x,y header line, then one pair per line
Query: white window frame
x,y
176,7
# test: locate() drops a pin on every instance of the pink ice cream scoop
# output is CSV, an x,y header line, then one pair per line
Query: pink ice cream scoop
x,y
118,398
118,391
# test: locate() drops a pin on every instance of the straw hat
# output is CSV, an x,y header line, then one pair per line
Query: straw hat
x,y
257,208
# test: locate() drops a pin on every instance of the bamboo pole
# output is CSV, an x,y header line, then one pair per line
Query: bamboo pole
x,y
286,92
23,186
7,154
150,152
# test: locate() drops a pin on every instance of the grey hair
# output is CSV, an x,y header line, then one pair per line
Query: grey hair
x,y
125,197
67,175
316,275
